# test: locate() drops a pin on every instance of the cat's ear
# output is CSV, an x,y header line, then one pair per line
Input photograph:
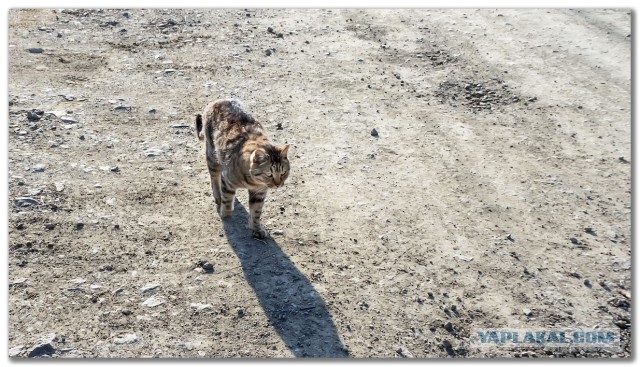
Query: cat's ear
x,y
258,156
284,150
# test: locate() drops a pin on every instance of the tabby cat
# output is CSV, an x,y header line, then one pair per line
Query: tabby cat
x,y
240,155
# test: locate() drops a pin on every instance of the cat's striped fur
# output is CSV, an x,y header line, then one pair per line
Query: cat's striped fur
x,y
240,155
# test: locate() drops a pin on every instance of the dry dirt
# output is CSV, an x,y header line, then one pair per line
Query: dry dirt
x,y
499,181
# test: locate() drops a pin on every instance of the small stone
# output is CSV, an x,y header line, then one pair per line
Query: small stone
x,y
154,301
602,283
446,344
153,110
575,274
207,267
32,116
69,98
278,232
587,282
59,186
97,186
46,347
114,169
448,326
69,120
79,226
49,226
126,311
527,311
77,281
39,168
267,52
279,126
26,201
430,294
122,108
15,351
454,307
169,71
35,50
374,133
18,282
573,240
201,306
510,238
149,287
153,152
126,339
269,29
404,352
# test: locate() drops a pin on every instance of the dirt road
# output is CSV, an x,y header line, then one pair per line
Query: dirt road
x,y
496,193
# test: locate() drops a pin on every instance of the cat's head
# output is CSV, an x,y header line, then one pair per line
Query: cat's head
x,y
270,166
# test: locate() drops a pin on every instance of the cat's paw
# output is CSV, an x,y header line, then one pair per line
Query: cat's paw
x,y
225,213
260,232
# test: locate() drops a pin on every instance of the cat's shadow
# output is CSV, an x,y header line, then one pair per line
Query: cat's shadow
x,y
294,308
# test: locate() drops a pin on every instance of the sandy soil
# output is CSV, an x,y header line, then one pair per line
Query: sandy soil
x,y
496,193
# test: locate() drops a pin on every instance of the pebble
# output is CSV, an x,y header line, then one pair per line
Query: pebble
x,y
267,52
122,108
278,232
602,282
32,116
573,240
153,152
374,133
26,201
97,186
587,282
448,326
59,186
446,344
527,311
464,258
201,306
126,339
35,50
154,301
15,351
207,267
404,352
45,347
430,294
69,120
153,110
77,281
114,169
49,226
454,307
39,168
149,287
18,282
79,225
126,311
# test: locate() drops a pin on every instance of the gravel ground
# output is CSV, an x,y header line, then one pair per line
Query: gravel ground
x,y
451,170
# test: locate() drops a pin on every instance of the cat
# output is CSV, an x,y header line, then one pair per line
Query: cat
x,y
240,155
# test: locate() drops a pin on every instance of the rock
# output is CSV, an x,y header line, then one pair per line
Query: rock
x,y
68,120
278,232
126,339
201,306
26,201
279,126
587,282
69,98
77,281
153,110
448,326
46,347
404,352
602,283
446,344
79,226
122,108
50,226
269,29
527,311
374,133
15,351
35,50
180,126
267,52
126,311
207,267
32,116
454,308
573,240
114,169
430,294
18,282
59,186
154,301
39,168
464,258
149,287
153,152
510,238
97,186
169,71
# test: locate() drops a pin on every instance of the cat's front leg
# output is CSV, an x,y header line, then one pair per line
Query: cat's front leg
x,y
256,200
227,197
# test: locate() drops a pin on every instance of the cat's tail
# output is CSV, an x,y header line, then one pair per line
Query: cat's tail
x,y
199,127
